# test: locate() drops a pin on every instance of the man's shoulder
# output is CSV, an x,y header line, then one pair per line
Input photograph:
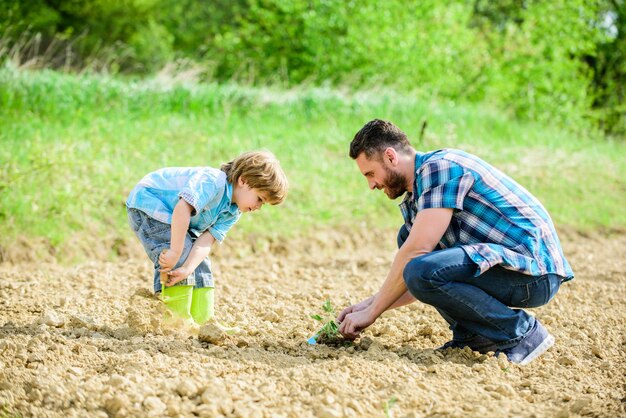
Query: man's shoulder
x,y
445,157
450,157
447,153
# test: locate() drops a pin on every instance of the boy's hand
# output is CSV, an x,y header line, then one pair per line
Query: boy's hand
x,y
177,275
168,259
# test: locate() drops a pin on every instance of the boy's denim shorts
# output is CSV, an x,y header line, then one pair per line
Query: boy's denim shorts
x,y
155,237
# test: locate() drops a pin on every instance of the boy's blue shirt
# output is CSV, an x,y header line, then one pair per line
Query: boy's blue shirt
x,y
204,188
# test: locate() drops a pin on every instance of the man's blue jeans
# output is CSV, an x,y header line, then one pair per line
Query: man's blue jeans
x,y
477,304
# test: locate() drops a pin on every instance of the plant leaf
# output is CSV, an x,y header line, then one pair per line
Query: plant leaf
x,y
327,306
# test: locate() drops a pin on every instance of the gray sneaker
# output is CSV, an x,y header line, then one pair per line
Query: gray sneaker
x,y
536,342
475,343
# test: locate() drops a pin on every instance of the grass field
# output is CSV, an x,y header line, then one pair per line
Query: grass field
x,y
73,146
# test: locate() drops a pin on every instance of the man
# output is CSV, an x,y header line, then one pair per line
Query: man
x,y
474,243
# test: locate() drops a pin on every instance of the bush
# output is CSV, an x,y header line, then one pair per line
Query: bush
x,y
552,61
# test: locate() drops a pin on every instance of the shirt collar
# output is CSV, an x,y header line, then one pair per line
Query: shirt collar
x,y
232,207
419,159
408,205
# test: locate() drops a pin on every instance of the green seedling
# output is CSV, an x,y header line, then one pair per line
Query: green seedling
x,y
329,332
388,406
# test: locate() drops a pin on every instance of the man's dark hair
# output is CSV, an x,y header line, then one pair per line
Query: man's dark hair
x,y
376,136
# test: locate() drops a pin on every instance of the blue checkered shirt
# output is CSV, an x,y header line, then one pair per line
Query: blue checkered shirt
x,y
496,221
204,188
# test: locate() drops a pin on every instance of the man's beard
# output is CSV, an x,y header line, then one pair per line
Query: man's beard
x,y
395,184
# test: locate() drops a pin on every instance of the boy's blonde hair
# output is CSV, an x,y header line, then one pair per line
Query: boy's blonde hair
x,y
260,170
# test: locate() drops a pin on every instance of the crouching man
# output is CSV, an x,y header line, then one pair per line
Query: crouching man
x,y
475,245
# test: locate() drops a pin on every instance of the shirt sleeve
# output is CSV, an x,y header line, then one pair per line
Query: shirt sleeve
x,y
443,184
221,227
199,191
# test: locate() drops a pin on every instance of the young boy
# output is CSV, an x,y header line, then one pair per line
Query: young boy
x,y
178,213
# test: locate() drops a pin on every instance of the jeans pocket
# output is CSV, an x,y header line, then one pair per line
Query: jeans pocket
x,y
154,227
155,236
536,293
520,295
134,219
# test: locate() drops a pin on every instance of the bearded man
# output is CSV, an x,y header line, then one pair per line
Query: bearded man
x,y
474,245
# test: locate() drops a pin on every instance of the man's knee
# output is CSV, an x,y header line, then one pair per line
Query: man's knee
x,y
420,279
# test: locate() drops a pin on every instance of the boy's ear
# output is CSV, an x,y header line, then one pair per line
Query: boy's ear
x,y
240,181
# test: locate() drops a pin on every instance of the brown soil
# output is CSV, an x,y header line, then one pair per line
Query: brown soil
x,y
88,340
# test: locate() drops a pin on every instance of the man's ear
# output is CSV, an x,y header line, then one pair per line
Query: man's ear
x,y
390,156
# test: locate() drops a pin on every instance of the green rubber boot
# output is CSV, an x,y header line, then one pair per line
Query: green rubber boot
x,y
203,304
178,300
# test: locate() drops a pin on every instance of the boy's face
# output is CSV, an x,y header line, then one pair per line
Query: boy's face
x,y
246,198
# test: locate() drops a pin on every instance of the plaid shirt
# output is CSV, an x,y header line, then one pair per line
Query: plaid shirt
x,y
204,188
496,221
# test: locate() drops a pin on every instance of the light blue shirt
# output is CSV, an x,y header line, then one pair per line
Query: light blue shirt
x,y
204,188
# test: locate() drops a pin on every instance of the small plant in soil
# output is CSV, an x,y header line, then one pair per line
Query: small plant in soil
x,y
388,406
329,333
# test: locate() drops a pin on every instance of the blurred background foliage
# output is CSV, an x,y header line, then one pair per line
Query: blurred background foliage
x,y
558,62
94,94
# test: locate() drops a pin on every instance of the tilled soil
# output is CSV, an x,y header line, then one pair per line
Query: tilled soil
x,y
89,341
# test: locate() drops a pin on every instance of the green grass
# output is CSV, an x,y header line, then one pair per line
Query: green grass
x,y
73,146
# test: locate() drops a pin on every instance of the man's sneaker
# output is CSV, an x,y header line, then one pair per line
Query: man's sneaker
x,y
536,342
476,343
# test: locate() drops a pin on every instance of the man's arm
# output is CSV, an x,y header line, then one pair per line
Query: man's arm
x,y
405,299
428,228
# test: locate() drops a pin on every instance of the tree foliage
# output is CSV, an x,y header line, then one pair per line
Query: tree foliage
x,y
560,61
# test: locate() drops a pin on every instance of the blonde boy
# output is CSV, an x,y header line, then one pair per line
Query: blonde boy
x,y
179,212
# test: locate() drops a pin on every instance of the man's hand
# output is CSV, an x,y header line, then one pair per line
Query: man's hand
x,y
177,275
356,322
357,307
168,259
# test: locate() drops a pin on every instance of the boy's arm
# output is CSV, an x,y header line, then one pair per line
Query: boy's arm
x,y
180,224
201,248
428,228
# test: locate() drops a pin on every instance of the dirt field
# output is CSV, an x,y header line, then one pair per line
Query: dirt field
x,y
88,341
